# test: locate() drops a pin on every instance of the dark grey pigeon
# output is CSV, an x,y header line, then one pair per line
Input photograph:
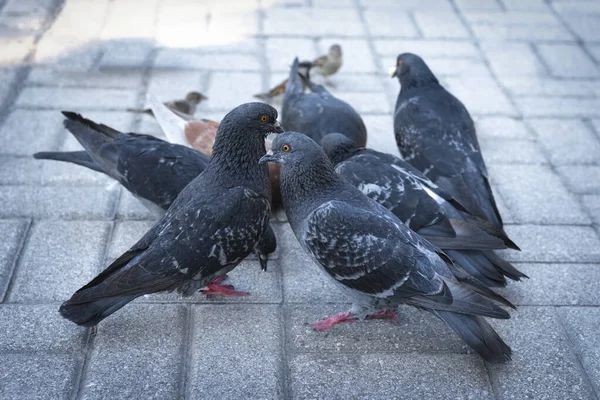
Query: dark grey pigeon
x,y
375,258
423,206
318,113
153,170
199,239
436,134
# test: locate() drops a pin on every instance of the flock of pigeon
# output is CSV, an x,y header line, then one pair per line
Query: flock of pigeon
x,y
421,230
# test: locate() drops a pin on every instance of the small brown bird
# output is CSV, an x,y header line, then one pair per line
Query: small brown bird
x,y
324,65
186,106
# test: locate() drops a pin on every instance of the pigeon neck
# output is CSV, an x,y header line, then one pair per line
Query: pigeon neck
x,y
308,181
342,153
418,80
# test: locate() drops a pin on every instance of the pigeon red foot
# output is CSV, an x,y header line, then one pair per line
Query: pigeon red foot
x,y
328,323
384,314
216,288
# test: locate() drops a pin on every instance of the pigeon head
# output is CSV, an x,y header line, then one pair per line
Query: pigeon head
x,y
412,71
338,147
293,148
195,97
335,51
251,118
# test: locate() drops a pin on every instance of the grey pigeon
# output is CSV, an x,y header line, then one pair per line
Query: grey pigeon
x,y
185,107
375,258
153,170
318,113
423,206
198,240
436,134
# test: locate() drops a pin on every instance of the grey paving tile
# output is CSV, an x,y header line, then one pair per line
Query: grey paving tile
x,y
480,96
247,336
303,281
536,5
13,233
568,60
77,98
58,259
77,202
380,133
125,53
535,194
186,59
131,208
478,5
592,205
416,331
7,78
501,128
580,323
322,22
555,284
553,244
389,376
464,68
237,85
509,59
169,84
280,52
568,7
357,54
367,103
541,86
27,131
511,151
584,24
113,78
440,5
36,376
567,141
19,170
581,179
138,353
28,171
440,25
543,364
125,235
390,23
558,106
427,48
350,82
38,328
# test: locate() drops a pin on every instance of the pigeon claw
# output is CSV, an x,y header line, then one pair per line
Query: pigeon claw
x,y
328,323
384,314
216,288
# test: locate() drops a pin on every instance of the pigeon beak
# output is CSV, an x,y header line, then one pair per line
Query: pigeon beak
x,y
394,71
269,157
278,128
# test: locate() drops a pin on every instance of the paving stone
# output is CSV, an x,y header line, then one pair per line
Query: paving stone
x,y
440,25
38,327
125,53
558,106
36,376
7,79
538,86
81,202
169,85
58,259
62,98
537,5
115,78
13,235
357,54
568,7
417,331
568,60
281,52
187,59
594,51
480,96
535,194
380,133
511,151
303,280
439,5
124,14
15,49
427,48
501,128
131,208
386,376
323,22
466,68
592,204
343,82
367,103
531,26
390,23
567,141
138,352
252,343
585,25
125,235
555,284
580,323
553,243
508,59
70,53
478,5
581,179
28,131
536,372
238,86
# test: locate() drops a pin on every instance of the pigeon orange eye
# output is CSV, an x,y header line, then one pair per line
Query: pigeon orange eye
x,y
400,63
264,118
285,148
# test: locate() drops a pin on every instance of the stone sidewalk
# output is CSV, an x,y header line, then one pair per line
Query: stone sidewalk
x,y
528,70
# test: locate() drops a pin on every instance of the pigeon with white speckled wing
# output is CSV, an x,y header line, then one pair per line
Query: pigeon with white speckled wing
x,y
319,112
214,223
436,134
424,207
374,257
